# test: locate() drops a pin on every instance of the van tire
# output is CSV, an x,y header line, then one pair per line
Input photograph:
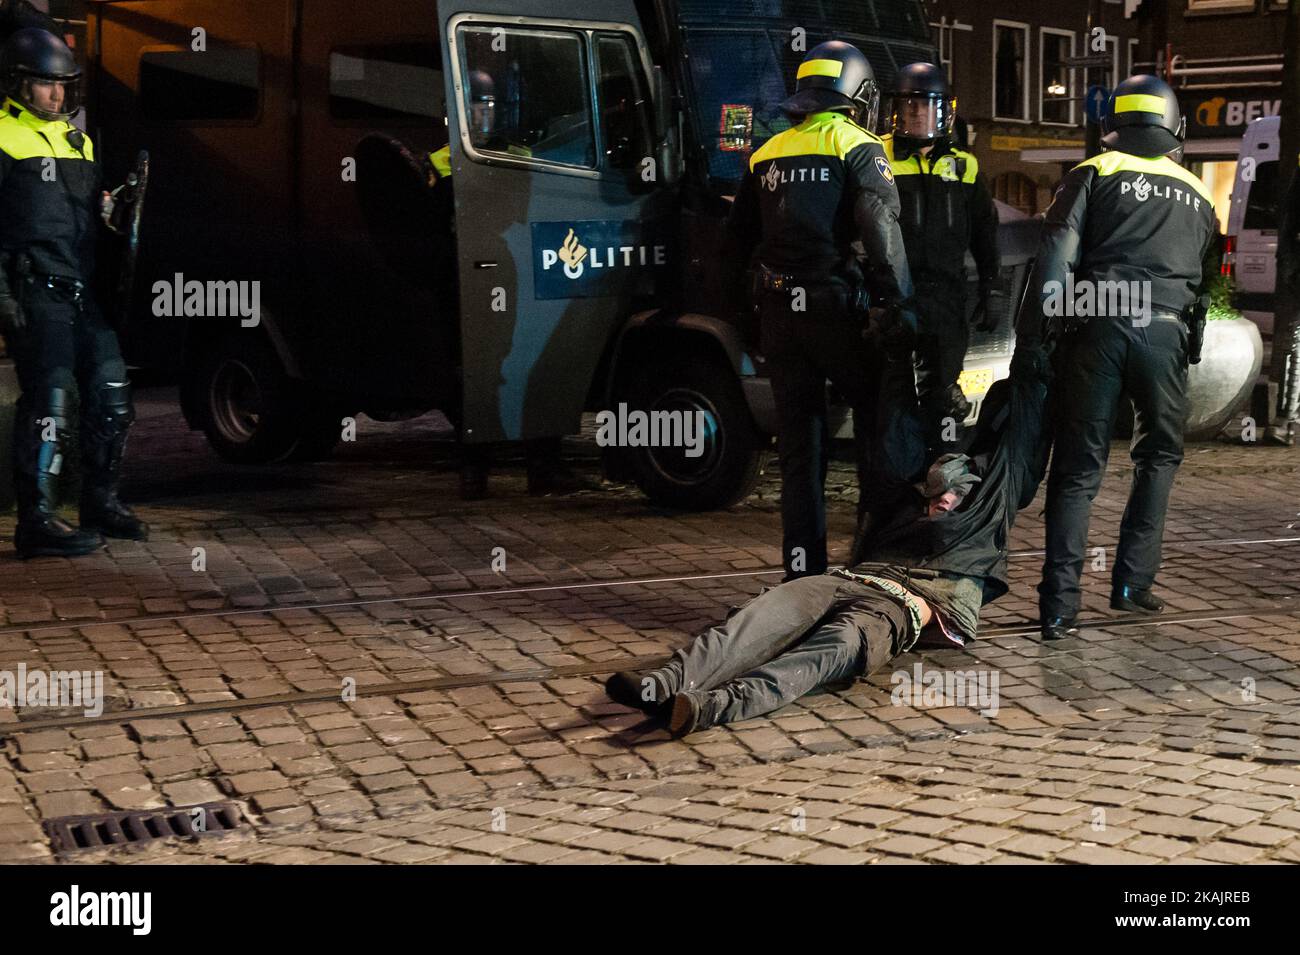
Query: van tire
x,y
734,450
245,402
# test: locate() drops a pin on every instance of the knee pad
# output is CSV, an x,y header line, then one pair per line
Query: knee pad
x,y
112,403
45,406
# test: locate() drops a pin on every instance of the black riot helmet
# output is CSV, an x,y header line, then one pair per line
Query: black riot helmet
x,y
1143,118
835,76
482,104
33,58
923,108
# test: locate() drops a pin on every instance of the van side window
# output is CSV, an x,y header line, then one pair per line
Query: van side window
x,y
624,123
221,83
1261,202
390,81
526,94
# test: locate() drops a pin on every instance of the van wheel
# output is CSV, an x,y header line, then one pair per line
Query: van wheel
x,y
732,449
246,404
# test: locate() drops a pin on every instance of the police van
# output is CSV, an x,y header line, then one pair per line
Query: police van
x,y
1250,248
565,260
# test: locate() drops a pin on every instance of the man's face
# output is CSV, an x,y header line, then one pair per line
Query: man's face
x,y
48,95
945,502
918,117
483,118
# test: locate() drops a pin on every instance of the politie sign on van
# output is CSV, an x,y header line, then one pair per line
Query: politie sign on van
x,y
1227,112
593,257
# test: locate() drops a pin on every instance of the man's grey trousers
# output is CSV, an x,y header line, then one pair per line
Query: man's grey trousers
x,y
788,641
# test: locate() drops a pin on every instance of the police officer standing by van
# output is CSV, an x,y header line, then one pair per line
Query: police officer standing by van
x,y
1129,215
812,192
50,211
946,212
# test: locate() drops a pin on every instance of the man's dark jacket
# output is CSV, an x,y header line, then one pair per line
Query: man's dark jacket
x,y
958,561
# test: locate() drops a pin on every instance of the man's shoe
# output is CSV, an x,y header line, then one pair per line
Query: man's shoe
x,y
693,710
1057,628
45,535
631,689
1135,601
108,516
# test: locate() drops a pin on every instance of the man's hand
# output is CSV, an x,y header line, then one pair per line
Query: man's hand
x,y
984,318
892,329
107,206
12,318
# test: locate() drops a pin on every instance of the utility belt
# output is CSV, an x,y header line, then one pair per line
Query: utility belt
x,y
819,295
20,266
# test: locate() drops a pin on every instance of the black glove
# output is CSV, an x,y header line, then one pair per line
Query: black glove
x,y
984,318
892,329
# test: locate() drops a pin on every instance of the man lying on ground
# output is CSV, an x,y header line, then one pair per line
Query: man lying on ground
x,y
922,571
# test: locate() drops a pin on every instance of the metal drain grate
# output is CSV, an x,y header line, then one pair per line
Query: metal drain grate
x,y
80,833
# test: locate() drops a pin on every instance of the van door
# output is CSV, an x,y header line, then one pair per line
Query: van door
x,y
381,331
557,204
205,86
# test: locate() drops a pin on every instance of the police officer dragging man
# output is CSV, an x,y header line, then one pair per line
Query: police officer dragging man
x,y
811,194
946,212
51,206
1120,273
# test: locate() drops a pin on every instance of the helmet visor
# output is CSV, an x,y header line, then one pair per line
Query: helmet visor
x,y
50,99
920,116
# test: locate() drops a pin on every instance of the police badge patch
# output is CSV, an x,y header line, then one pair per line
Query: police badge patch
x,y
885,169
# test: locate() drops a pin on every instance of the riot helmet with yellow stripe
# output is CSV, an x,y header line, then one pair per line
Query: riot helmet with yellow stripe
x,y
41,74
1143,118
835,76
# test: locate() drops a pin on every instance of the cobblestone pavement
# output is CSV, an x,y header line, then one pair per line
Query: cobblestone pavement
x,y
480,732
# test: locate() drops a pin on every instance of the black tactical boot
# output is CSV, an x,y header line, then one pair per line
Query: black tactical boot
x,y
547,472
475,466
1135,601
106,421
37,462
1058,628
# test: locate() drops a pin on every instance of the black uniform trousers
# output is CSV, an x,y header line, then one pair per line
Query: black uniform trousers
x,y
788,641
803,350
65,343
942,339
1106,357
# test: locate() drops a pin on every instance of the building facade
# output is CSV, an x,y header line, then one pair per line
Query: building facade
x,y
1010,63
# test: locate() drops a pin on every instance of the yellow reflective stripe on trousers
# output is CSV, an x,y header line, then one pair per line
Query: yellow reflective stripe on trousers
x,y
1109,163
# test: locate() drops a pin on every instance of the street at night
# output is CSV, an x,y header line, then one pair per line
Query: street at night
x,y
679,433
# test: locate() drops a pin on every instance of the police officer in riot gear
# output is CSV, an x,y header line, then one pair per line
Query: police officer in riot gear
x,y
1286,327
50,207
1130,220
946,211
811,192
